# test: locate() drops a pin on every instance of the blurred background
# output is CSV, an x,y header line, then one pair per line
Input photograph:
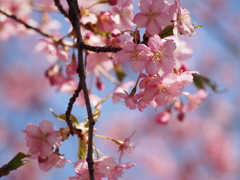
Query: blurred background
x,y
205,146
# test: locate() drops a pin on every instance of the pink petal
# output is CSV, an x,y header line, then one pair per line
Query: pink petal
x,y
46,127
157,5
152,68
45,150
144,6
137,66
153,27
155,42
32,130
140,20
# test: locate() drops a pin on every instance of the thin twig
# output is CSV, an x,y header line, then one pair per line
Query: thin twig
x,y
74,16
25,24
99,49
60,8
69,109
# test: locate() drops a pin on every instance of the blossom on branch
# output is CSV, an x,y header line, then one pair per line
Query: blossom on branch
x,y
160,55
181,20
53,160
152,16
41,139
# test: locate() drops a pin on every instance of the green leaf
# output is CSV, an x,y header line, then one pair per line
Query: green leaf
x,y
119,72
15,163
168,31
62,117
82,148
202,82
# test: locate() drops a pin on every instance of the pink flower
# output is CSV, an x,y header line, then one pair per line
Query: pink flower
x,y
53,160
146,80
135,54
127,145
162,89
105,21
123,15
102,167
117,171
186,77
129,100
41,139
181,19
195,100
49,46
99,59
160,55
152,16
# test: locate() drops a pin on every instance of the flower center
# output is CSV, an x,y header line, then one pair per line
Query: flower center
x,y
134,56
157,57
184,16
43,137
152,15
162,89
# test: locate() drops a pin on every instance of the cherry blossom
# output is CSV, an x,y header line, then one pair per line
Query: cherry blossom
x,y
53,160
117,171
123,15
162,89
134,53
48,45
99,59
129,100
160,55
195,100
41,139
126,146
102,168
105,21
152,16
181,19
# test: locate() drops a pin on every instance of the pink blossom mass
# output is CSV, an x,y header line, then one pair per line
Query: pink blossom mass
x,y
109,69
41,139
152,16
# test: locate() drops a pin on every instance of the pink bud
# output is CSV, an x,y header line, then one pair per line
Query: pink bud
x,y
180,116
112,2
99,84
105,21
88,35
71,68
183,67
116,33
163,117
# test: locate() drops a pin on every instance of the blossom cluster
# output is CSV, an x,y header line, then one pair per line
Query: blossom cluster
x,y
42,139
156,59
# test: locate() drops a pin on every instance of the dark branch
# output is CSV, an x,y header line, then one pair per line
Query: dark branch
x,y
69,109
60,8
74,16
25,24
99,49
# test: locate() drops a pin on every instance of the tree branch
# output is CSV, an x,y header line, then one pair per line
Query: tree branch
x,y
60,8
99,49
69,109
25,24
74,15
